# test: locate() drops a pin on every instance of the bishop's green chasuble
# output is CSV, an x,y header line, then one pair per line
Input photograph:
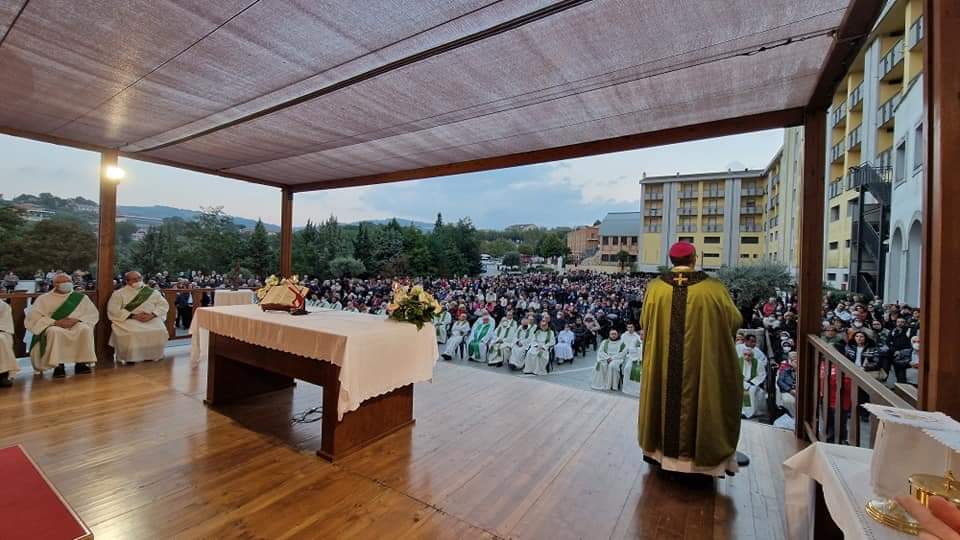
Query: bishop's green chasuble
x,y
692,389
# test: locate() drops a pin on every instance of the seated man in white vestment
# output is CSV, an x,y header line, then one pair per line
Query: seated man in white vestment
x,y
754,374
442,322
138,315
8,361
458,334
538,353
518,349
634,343
565,339
610,356
62,323
480,337
499,350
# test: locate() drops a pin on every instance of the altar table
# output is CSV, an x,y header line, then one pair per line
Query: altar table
x,y
367,366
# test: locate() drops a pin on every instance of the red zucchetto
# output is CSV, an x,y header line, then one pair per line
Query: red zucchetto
x,y
682,250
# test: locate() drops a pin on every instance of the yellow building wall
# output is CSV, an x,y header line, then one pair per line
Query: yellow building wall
x,y
651,243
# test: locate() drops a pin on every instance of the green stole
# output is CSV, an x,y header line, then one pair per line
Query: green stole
x,y
66,308
548,335
506,327
605,347
142,296
474,346
753,374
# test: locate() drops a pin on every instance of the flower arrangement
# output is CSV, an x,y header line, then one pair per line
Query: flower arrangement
x,y
413,305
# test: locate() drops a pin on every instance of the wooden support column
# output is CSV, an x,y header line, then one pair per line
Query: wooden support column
x,y
286,233
940,296
810,273
106,254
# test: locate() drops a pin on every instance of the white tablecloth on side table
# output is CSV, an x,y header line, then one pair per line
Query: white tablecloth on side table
x,y
375,355
844,474
227,297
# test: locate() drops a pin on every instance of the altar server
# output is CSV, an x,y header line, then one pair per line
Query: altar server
x,y
631,364
480,337
138,317
610,356
521,342
458,333
62,323
501,347
442,321
8,361
538,353
565,339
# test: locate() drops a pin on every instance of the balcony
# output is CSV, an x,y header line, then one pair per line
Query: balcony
x,y
885,159
713,227
653,196
915,35
836,152
855,103
652,228
838,116
751,191
854,138
774,221
686,211
713,192
836,187
750,210
751,227
712,210
686,228
653,212
890,67
886,112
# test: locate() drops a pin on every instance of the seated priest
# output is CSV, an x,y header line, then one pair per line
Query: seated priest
x,y
138,315
480,337
501,347
521,342
565,339
62,323
458,333
538,353
8,361
753,376
442,322
610,356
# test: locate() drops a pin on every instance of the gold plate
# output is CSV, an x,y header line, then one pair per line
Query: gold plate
x,y
891,514
924,486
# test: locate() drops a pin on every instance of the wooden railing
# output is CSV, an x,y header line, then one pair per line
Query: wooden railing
x,y
834,373
20,302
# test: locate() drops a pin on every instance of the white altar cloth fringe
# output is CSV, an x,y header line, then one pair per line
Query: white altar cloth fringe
x,y
375,355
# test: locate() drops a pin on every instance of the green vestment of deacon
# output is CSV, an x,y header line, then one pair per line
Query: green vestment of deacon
x,y
692,387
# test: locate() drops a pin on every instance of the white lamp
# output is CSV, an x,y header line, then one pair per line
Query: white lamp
x,y
114,172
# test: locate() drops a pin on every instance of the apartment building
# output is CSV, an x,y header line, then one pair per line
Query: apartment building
x,y
583,242
620,231
874,162
783,176
722,213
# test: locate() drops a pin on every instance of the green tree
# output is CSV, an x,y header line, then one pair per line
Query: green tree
x,y
363,246
150,255
346,267
551,245
623,258
59,243
259,258
752,281
511,259
12,235
525,249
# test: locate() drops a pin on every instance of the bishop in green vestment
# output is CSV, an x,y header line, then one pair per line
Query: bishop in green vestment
x,y
692,386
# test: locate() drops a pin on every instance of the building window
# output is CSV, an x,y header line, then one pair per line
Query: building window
x,y
711,240
834,246
685,239
636,239
749,240
744,255
831,276
835,213
852,207
918,148
606,240
711,255
900,162
616,240
623,240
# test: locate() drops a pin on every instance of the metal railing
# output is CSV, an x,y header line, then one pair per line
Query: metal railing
x,y
750,210
686,228
886,111
751,227
885,159
712,210
689,194
891,60
751,191
836,151
713,227
686,211
856,98
854,137
653,196
653,212
838,115
835,380
915,35
711,192
652,228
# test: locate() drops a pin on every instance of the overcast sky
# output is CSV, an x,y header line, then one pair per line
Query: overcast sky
x,y
570,192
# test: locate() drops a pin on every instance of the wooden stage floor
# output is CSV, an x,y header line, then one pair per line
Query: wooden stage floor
x,y
138,455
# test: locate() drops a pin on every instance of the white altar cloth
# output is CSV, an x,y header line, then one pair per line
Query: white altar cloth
x,y
844,473
227,297
222,297
375,355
